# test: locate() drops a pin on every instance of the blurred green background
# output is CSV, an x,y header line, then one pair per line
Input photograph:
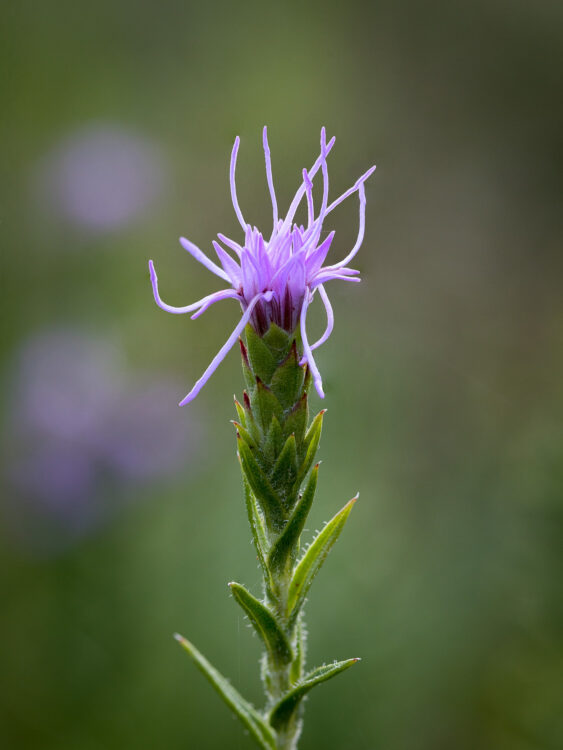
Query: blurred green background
x,y
122,516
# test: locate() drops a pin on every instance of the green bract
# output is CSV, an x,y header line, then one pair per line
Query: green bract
x,y
277,453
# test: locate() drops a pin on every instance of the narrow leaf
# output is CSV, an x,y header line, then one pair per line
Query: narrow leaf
x,y
285,468
287,542
248,715
296,668
311,443
257,528
265,624
246,369
249,421
283,710
245,435
260,485
240,412
311,562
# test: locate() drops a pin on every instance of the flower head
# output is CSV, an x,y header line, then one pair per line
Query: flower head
x,y
275,278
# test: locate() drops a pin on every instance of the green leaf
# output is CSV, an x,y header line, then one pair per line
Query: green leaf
x,y
245,435
246,369
257,528
312,560
282,712
260,485
265,405
262,360
240,412
296,668
274,440
287,381
311,443
245,711
265,624
277,340
287,542
296,421
249,421
285,469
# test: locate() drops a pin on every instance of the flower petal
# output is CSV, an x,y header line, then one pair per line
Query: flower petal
x,y
269,177
232,268
200,256
329,318
236,206
225,349
308,354
205,302
361,231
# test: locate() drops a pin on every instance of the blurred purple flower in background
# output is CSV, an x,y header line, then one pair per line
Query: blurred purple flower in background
x,y
82,431
101,177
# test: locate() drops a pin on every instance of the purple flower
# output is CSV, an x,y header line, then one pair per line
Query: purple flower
x,y
275,279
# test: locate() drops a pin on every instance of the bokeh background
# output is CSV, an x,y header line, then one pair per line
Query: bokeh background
x,y
122,516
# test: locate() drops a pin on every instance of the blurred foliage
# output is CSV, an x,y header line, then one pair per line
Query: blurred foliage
x,y
443,375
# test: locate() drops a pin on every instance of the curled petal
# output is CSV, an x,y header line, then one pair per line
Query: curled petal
x,y
323,278
359,182
310,206
200,256
361,230
236,206
303,188
269,177
204,303
231,243
329,322
308,354
329,318
217,297
227,346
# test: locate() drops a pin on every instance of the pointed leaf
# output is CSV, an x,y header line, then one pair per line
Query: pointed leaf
x,y
248,715
283,710
296,668
258,531
249,421
240,412
245,435
265,624
285,468
312,560
262,361
311,443
260,485
246,369
287,542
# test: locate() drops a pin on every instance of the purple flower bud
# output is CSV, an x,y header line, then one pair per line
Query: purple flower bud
x,y
275,277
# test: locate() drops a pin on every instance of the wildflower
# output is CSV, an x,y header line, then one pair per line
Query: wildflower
x,y
275,278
